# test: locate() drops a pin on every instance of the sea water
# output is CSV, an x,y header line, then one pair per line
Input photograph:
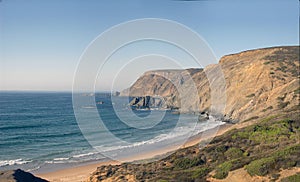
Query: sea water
x,y
39,130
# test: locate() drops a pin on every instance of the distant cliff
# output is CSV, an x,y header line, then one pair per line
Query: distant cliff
x,y
258,82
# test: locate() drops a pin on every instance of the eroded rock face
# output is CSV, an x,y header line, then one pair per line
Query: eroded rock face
x,y
258,82
262,81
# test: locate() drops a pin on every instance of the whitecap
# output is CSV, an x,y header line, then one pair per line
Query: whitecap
x,y
13,162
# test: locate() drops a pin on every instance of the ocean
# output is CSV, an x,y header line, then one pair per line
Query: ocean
x,y
39,131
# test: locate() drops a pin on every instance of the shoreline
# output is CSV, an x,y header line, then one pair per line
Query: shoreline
x,y
81,173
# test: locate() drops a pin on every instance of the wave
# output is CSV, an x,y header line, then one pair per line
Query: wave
x,y
76,158
84,155
174,135
13,162
88,107
61,159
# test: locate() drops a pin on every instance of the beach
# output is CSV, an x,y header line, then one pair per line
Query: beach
x,y
81,173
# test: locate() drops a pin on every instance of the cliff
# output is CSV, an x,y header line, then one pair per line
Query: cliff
x,y
258,82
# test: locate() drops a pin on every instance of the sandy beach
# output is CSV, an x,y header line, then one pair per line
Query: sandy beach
x,y
81,173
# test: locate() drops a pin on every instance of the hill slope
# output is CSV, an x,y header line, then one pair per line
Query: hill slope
x,y
261,150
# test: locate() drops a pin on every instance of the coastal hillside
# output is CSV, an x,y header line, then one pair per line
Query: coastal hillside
x,y
266,150
258,82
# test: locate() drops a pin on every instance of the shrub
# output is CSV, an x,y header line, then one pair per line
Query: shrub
x,y
222,170
260,167
269,133
200,173
243,135
221,148
185,163
293,178
233,153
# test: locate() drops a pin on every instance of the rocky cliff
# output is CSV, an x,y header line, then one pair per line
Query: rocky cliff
x,y
257,83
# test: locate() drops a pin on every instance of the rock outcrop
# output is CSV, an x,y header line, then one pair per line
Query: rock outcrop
x,y
19,176
258,82
150,102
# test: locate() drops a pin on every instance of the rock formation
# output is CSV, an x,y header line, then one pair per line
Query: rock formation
x,y
19,176
258,82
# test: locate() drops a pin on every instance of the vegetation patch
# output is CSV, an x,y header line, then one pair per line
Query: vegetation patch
x,y
185,163
284,158
260,167
264,148
222,170
234,153
200,172
293,178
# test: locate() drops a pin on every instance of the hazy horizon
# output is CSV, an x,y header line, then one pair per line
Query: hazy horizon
x,y
41,42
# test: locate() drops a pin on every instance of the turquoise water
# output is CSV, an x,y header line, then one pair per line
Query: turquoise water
x,y
39,131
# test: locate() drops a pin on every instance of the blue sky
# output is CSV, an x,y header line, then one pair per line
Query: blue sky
x,y
41,41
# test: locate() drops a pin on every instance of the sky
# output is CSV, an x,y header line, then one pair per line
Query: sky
x,y
41,42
